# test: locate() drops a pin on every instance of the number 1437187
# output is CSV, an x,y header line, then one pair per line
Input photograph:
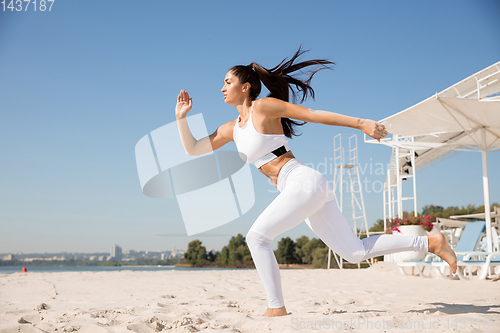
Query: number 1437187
x,y
25,5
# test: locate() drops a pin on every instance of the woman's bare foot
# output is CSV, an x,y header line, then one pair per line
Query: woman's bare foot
x,y
275,312
439,246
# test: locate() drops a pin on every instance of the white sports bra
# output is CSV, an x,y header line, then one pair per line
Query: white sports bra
x,y
258,148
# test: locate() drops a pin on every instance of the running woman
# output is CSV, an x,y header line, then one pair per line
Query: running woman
x,y
261,134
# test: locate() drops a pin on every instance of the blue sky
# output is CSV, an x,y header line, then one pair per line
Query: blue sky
x,y
81,84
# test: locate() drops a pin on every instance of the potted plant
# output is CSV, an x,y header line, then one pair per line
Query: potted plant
x,y
413,226
426,222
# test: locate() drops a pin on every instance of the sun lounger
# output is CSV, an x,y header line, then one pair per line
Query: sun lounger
x,y
483,266
483,262
432,263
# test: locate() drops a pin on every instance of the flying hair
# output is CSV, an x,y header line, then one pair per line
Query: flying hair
x,y
280,82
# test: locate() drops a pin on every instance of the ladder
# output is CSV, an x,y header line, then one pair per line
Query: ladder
x,y
348,189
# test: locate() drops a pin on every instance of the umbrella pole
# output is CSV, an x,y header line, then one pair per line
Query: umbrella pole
x,y
486,190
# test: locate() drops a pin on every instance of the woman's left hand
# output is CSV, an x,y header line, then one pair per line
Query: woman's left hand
x,y
373,129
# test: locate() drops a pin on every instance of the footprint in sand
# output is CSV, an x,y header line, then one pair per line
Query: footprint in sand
x,y
216,297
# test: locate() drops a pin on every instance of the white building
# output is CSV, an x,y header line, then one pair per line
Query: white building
x,y
116,253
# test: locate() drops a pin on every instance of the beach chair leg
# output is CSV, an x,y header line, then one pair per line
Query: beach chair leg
x,y
421,269
462,273
403,271
440,273
484,270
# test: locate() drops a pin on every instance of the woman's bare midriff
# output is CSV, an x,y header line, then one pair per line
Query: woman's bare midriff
x,y
272,169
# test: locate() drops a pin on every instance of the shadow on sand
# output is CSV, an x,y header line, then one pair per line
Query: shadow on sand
x,y
460,308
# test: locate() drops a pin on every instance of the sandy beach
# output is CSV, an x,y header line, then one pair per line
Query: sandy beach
x,y
377,299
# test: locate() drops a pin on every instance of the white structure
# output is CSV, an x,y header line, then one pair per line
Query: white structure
x,y
347,186
116,253
464,117
400,169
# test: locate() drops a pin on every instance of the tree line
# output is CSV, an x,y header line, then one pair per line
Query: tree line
x,y
439,211
237,254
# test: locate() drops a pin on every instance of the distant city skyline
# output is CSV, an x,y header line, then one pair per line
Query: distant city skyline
x,y
115,254
124,251
77,97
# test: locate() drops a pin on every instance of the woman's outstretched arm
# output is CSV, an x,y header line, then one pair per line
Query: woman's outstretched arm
x,y
194,147
278,108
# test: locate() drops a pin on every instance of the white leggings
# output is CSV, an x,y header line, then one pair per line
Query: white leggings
x,y
306,195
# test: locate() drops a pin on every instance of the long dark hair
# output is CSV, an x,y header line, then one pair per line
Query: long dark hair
x,y
280,83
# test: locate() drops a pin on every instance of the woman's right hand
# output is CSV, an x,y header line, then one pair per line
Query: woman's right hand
x,y
373,129
184,105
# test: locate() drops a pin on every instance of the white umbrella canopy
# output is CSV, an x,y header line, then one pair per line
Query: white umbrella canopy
x,y
466,116
443,115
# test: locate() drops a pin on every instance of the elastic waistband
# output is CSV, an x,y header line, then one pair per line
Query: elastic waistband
x,y
269,157
285,171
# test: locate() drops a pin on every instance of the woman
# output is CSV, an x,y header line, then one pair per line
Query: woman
x,y
260,133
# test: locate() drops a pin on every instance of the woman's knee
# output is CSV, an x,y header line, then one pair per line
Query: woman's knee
x,y
354,258
254,239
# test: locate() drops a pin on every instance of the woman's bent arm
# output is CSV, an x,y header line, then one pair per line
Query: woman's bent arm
x,y
187,138
194,147
214,141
